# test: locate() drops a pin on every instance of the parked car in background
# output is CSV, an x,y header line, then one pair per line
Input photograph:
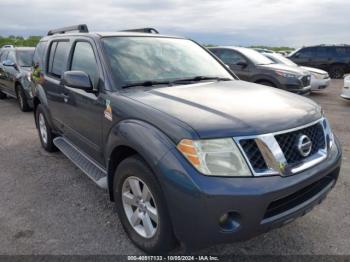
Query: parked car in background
x,y
335,59
7,46
15,69
189,153
252,66
346,89
263,50
319,78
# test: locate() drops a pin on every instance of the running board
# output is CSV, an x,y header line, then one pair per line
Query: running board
x,y
81,160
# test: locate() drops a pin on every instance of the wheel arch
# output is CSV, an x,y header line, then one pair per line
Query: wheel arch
x,y
134,137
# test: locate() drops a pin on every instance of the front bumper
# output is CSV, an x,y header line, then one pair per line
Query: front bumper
x,y
295,85
319,84
196,202
346,91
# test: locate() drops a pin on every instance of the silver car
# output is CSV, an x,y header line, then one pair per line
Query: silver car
x,y
319,78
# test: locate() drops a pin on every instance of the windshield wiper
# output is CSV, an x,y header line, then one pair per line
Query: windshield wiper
x,y
200,78
146,83
177,81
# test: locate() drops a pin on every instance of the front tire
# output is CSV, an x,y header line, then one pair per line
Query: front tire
x,y
337,72
22,100
141,207
45,131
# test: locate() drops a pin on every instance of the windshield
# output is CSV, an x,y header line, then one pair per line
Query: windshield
x,y
25,57
280,59
140,59
255,56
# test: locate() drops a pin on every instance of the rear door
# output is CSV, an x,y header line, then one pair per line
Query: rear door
x,y
323,57
84,111
57,63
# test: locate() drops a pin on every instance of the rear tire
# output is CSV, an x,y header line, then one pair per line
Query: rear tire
x,y
2,95
135,210
45,131
337,71
22,100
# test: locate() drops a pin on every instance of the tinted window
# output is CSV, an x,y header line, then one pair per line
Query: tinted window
x,y
342,51
11,56
25,57
3,56
231,57
306,53
323,52
84,60
58,58
38,54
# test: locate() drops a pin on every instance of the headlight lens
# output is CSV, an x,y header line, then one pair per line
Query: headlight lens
x,y
287,74
215,157
318,76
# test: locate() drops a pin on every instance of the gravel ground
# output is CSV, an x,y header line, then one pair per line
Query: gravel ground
x,y
48,206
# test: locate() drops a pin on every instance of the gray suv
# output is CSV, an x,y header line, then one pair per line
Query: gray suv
x,y
250,65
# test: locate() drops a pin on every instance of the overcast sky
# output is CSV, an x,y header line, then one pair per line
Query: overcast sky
x,y
267,22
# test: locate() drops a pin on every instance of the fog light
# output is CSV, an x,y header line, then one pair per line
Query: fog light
x,y
230,221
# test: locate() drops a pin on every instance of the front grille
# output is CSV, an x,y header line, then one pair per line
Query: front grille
x,y
254,155
305,80
288,142
286,203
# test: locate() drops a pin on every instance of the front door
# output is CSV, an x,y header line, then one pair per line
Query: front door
x,y
237,63
84,111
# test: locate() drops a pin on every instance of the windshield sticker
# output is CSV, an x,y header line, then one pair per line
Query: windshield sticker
x,y
108,111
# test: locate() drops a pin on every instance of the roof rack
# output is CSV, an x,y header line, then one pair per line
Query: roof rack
x,y
82,28
148,30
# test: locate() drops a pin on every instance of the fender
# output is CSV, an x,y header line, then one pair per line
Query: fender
x,y
145,139
263,77
39,94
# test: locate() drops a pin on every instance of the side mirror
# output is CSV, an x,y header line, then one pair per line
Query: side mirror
x,y
242,64
296,55
78,80
9,63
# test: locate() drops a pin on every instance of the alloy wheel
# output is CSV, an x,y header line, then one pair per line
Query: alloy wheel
x,y
140,207
42,128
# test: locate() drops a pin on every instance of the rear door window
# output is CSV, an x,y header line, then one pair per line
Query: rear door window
x,y
58,58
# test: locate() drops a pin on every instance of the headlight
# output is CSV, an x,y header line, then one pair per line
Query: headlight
x,y
215,157
318,76
287,74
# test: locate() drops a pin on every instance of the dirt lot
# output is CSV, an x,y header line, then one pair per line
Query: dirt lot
x,y
47,206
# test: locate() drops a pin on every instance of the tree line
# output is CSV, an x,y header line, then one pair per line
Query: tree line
x,y
19,40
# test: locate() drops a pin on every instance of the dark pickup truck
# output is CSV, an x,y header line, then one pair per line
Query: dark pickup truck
x,y
188,153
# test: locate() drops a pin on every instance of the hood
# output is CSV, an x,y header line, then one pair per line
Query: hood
x,y
314,70
231,108
292,69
